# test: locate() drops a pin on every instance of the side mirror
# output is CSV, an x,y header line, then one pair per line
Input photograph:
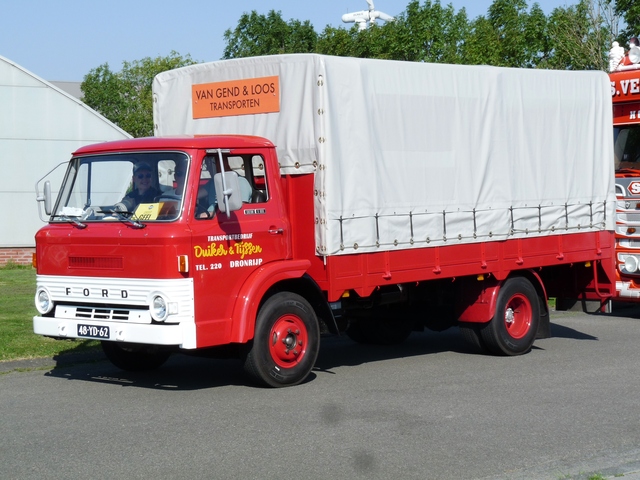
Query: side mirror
x,y
228,192
46,197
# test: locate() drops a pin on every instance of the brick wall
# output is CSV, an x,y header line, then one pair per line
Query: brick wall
x,y
20,256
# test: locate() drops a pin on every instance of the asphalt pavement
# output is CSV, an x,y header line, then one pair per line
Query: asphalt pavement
x,y
429,409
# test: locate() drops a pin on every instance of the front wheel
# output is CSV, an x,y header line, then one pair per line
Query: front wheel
x,y
286,341
135,358
513,328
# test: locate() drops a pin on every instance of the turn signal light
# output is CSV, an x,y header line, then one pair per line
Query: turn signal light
x,y
183,263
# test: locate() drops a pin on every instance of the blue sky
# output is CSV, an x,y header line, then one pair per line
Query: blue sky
x,y
62,40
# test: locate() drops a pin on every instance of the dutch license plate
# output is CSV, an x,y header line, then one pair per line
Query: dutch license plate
x,y
93,331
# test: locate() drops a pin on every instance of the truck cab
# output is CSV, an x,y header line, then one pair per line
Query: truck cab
x,y
140,274
625,92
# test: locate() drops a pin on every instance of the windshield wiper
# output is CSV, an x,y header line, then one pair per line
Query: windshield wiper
x,y
122,216
72,220
122,213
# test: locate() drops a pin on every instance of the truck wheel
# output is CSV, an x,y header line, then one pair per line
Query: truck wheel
x,y
286,341
136,358
514,326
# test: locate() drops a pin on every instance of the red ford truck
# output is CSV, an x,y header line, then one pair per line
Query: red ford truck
x,y
301,194
625,93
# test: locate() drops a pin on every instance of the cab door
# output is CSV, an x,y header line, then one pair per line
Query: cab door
x,y
228,248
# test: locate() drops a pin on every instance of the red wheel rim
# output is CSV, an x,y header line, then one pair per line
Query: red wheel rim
x,y
288,341
517,316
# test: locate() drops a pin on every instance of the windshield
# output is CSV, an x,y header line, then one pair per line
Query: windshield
x,y
138,186
627,147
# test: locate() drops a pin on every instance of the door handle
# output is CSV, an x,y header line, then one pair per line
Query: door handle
x,y
276,231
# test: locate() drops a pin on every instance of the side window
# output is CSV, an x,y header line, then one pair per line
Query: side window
x,y
251,178
251,175
260,193
206,200
236,164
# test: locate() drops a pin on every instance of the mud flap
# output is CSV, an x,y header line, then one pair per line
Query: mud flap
x,y
544,327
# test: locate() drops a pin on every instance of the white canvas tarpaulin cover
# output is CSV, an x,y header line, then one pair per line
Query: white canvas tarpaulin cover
x,y
409,155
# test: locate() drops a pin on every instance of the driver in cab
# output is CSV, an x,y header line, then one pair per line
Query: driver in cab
x,y
143,189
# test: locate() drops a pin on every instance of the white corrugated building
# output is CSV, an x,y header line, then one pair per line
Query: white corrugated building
x,y
40,126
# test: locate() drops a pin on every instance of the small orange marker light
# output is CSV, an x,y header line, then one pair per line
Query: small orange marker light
x,y
183,263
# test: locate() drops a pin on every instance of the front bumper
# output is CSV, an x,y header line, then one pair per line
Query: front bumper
x,y
627,290
120,332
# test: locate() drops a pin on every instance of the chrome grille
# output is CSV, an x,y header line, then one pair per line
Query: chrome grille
x,y
103,314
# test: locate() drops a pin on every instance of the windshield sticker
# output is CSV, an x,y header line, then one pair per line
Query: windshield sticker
x,y
147,211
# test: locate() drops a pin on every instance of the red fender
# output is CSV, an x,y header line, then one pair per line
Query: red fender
x,y
481,302
254,289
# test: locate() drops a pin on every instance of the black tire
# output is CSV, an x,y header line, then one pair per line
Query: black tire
x,y
286,341
471,334
135,358
386,326
355,331
514,327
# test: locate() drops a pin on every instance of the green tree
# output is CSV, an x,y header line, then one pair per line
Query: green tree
x,y
269,34
373,42
125,97
629,10
424,33
510,36
429,33
336,41
581,35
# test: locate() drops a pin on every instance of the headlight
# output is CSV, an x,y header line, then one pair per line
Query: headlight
x,y
43,301
158,308
631,263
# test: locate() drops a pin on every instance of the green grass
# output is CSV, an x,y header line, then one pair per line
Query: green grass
x,y
17,340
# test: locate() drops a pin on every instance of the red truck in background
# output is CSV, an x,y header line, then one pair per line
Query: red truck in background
x,y
361,196
625,94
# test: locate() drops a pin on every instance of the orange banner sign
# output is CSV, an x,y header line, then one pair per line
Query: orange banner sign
x,y
237,97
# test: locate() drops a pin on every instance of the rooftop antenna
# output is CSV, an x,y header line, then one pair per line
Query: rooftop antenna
x,y
363,16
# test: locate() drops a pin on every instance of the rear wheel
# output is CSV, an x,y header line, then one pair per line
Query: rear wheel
x,y
135,358
513,328
286,341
